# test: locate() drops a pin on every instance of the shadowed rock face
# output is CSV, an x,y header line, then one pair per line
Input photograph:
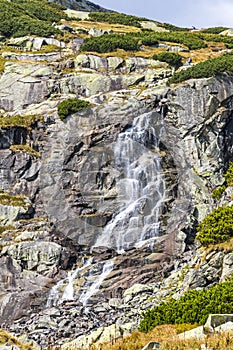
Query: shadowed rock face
x,y
83,192
81,5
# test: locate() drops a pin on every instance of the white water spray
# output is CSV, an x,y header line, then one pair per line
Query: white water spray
x,y
68,294
141,188
94,287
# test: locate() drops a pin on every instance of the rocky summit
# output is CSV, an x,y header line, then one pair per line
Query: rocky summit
x,y
111,157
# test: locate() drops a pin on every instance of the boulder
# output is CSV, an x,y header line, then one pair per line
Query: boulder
x,y
99,336
225,327
152,345
153,26
88,84
77,14
98,32
135,290
214,323
9,214
216,320
91,61
193,333
114,63
35,256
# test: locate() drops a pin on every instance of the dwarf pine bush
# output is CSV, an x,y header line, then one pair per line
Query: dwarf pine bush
x,y
69,106
173,59
194,307
216,227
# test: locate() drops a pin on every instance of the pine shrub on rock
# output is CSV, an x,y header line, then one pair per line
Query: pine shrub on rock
x,y
216,227
218,191
173,59
229,175
69,106
110,43
194,307
206,69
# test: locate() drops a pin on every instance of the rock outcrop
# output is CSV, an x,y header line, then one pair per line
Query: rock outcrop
x,y
81,5
115,190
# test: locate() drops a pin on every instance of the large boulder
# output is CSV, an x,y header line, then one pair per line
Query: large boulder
x,y
36,256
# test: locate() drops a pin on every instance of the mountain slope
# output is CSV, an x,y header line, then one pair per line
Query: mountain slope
x,y
81,5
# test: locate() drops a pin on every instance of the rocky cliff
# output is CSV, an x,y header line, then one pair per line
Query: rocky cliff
x,y
80,5
115,190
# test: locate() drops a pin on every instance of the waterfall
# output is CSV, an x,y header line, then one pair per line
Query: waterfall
x,y
140,186
140,196
53,297
94,287
68,294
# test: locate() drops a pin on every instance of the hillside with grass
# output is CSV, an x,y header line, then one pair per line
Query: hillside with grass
x,y
23,17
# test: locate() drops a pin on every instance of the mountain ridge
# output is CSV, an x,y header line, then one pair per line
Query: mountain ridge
x,y
81,5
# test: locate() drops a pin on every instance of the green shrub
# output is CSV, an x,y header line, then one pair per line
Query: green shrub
x,y
71,105
229,175
173,59
116,18
173,28
132,41
193,307
192,41
217,192
25,17
208,68
149,40
110,43
214,30
215,38
216,227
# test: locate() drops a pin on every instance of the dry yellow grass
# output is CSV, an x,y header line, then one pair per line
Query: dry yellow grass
x,y
25,149
148,52
2,64
225,247
168,337
117,28
6,337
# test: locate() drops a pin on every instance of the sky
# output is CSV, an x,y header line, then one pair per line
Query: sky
x,y
184,13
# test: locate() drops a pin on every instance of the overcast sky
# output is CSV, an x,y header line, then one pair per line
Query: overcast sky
x,y
185,13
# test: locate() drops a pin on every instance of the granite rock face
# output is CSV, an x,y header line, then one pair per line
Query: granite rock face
x,y
85,188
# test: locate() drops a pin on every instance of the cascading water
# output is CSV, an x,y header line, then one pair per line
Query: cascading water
x,y
54,297
141,187
94,287
141,193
